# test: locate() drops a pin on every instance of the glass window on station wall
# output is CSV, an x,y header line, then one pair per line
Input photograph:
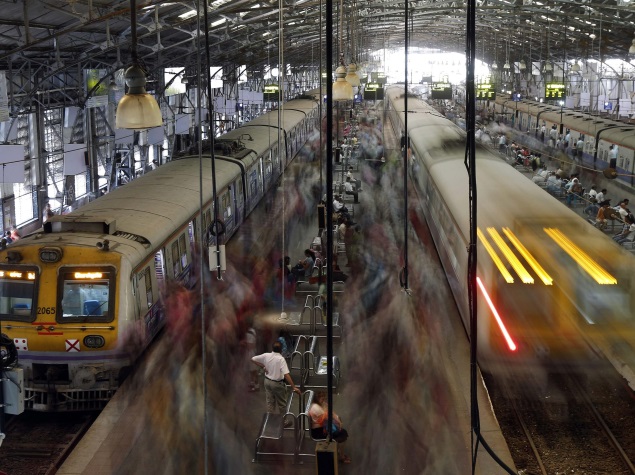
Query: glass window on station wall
x,y
24,194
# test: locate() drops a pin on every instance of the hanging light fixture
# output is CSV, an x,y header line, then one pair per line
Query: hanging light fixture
x,y
342,90
576,67
507,66
351,76
631,50
522,65
137,109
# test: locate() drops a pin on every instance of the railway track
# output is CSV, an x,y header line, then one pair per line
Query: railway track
x,y
37,444
575,427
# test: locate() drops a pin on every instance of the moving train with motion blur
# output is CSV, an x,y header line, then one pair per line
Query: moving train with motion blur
x,y
552,289
597,133
73,292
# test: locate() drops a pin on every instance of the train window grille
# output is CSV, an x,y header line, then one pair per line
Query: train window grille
x,y
183,251
148,281
158,267
176,263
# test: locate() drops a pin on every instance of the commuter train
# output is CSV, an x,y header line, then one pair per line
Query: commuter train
x,y
73,292
551,288
598,133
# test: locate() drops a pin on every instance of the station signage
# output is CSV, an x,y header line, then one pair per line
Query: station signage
x,y
485,91
373,92
271,93
441,90
555,90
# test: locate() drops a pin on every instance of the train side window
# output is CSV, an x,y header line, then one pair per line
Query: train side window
x,y
225,206
86,294
176,263
183,251
148,282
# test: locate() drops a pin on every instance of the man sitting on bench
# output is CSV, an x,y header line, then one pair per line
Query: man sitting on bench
x,y
350,190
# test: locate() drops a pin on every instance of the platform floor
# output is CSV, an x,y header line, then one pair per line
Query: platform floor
x,y
404,397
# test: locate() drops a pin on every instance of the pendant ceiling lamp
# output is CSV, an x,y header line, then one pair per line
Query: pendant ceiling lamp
x,y
342,90
576,66
137,109
351,76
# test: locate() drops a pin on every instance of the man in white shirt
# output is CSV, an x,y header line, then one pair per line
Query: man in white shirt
x,y
613,152
580,147
601,196
350,190
276,372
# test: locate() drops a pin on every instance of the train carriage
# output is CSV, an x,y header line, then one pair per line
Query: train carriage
x,y
597,133
550,286
76,292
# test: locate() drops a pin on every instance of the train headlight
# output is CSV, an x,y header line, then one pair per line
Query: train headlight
x,y
94,341
50,254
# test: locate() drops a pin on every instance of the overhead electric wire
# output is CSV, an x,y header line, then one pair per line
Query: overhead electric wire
x,y
470,163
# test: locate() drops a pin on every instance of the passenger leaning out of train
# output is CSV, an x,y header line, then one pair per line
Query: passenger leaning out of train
x,y
302,270
603,214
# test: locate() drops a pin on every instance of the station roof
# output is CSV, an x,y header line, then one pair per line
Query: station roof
x,y
45,39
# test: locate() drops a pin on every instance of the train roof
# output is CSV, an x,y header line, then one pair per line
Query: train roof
x,y
611,130
147,209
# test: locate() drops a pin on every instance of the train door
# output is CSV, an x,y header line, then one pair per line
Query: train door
x,y
226,202
253,185
239,201
147,300
268,169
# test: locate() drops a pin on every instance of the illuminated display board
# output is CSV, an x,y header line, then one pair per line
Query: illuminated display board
x,y
554,90
373,92
485,91
271,93
441,90
17,274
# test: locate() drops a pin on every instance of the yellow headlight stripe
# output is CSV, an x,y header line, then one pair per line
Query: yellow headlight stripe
x,y
524,275
595,270
497,260
531,260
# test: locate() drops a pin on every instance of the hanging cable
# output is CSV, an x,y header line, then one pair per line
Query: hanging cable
x,y
281,66
216,224
405,146
202,239
470,164
329,210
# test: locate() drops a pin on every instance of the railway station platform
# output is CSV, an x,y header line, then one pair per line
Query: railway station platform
x,y
403,393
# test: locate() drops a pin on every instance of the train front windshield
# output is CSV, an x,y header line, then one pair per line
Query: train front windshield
x,y
17,293
86,294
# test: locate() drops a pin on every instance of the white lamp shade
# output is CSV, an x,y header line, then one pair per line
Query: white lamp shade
x,y
138,111
506,65
631,50
494,66
575,67
522,65
351,77
342,90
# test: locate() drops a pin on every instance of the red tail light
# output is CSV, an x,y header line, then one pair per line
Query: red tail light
x,y
510,343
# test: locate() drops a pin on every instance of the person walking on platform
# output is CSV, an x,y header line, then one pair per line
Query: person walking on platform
x,y
350,190
276,372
